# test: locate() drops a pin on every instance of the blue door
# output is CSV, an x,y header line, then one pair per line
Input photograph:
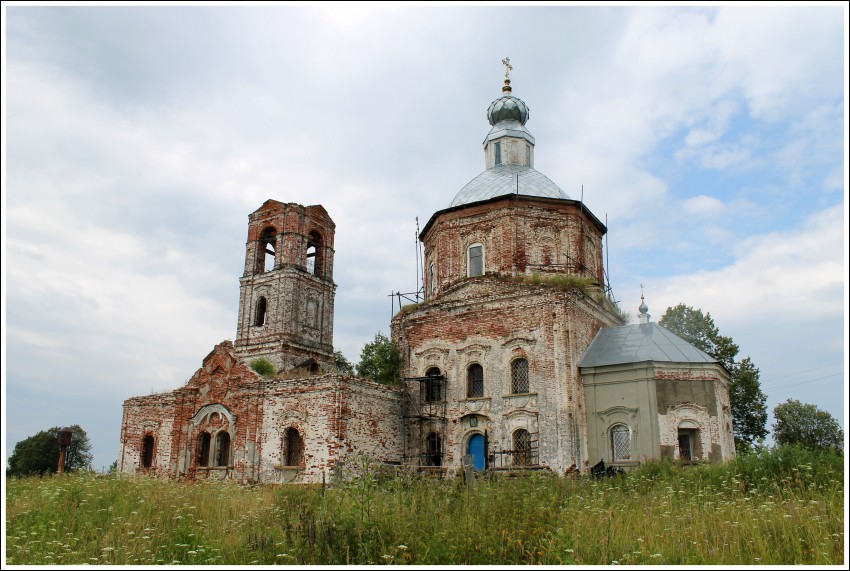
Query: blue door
x,y
475,449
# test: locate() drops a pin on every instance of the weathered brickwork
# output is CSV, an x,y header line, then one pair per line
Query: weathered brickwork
x,y
230,422
286,296
334,415
496,318
520,235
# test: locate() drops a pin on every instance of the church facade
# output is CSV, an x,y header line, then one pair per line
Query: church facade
x,y
515,358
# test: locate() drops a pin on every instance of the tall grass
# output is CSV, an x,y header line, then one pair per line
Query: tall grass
x,y
782,506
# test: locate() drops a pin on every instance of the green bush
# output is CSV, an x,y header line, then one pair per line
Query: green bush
x,y
263,367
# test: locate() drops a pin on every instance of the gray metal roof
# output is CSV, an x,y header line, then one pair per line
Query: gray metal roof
x,y
502,180
639,343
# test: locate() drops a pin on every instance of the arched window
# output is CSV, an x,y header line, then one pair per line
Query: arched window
x,y
147,451
222,449
621,443
294,444
433,387
522,448
433,450
314,253
268,241
204,449
519,376
432,277
475,381
475,260
260,314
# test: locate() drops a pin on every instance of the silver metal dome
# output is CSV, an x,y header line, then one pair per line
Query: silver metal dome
x,y
502,180
508,107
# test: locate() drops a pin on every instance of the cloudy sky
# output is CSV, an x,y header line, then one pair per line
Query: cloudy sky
x,y
138,140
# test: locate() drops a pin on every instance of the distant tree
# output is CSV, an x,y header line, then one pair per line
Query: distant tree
x,y
380,361
807,425
264,367
343,365
39,454
748,401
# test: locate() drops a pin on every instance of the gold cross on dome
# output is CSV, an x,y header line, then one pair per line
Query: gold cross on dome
x,y
508,67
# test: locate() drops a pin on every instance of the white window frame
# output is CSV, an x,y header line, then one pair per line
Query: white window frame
x,y
469,273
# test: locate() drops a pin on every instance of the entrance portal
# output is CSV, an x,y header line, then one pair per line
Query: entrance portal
x,y
475,450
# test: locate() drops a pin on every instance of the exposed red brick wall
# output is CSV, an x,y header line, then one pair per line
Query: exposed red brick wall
x,y
335,415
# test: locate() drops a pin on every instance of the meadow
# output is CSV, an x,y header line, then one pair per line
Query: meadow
x,y
778,506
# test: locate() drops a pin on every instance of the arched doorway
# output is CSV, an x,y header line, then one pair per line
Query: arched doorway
x,y
476,449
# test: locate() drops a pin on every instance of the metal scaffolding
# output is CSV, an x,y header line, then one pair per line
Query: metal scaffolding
x,y
424,412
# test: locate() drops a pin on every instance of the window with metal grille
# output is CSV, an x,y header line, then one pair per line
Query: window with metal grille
x,y
475,381
476,260
222,449
621,443
204,449
522,448
519,376
147,451
433,387
294,447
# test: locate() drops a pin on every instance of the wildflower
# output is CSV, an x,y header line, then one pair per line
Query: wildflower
x,y
569,550
402,546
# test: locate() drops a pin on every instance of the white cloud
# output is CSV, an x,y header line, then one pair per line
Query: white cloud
x,y
703,205
796,274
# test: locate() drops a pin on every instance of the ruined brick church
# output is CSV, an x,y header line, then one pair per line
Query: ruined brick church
x,y
515,357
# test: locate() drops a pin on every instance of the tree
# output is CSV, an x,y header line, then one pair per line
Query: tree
x,y
806,424
748,402
39,454
380,361
343,365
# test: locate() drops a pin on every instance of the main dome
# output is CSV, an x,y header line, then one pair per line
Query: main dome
x,y
503,180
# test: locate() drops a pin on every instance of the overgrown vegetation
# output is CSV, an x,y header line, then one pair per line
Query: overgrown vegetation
x,y
560,281
779,506
264,367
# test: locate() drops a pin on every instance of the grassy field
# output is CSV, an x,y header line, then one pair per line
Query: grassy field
x,y
783,506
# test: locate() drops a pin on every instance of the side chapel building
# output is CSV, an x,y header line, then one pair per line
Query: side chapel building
x,y
516,357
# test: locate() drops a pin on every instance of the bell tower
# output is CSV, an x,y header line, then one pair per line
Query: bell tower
x,y
286,294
